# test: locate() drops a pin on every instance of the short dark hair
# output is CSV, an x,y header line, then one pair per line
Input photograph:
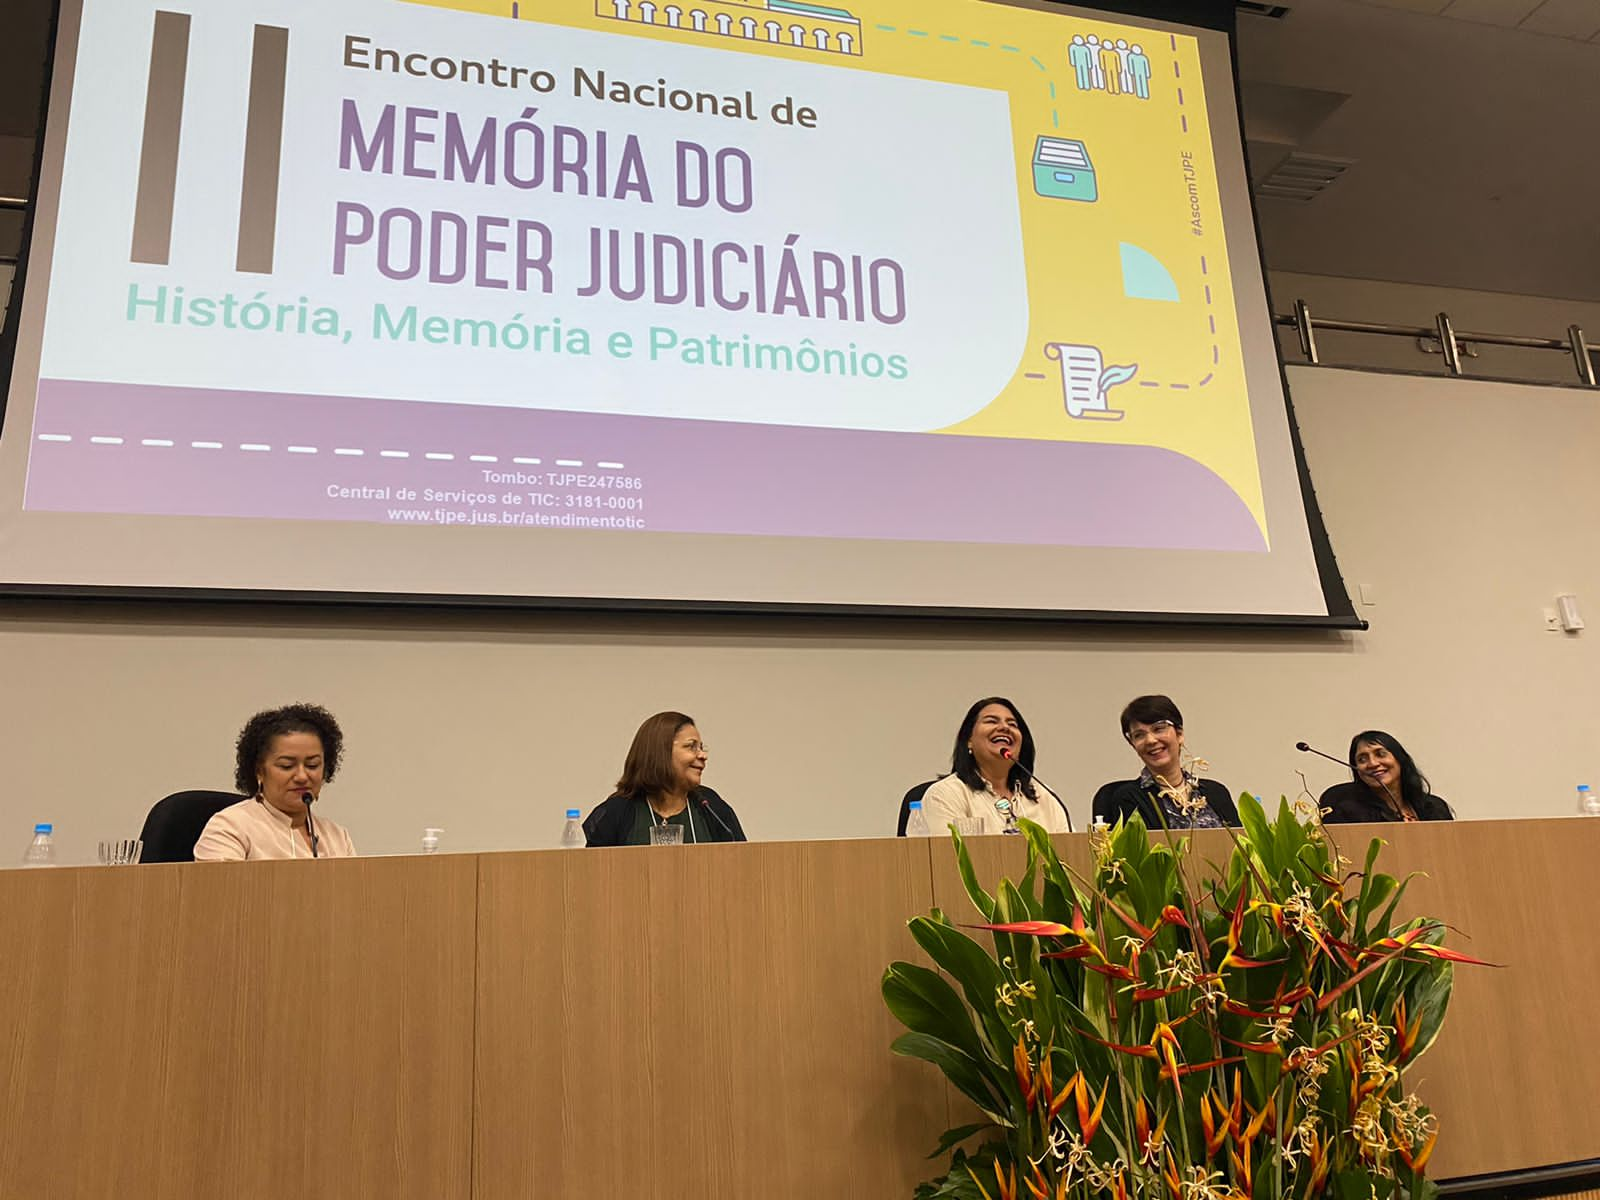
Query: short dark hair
x,y
256,738
647,771
1413,784
1147,710
965,767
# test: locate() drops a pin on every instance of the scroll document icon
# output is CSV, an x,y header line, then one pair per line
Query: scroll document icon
x,y
1085,380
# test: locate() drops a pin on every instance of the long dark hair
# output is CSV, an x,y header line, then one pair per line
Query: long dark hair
x,y
647,771
965,767
1413,784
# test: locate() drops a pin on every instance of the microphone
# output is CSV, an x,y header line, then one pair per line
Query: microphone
x,y
1005,753
1313,750
306,798
705,805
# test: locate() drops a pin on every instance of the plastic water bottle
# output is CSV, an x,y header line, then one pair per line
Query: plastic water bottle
x,y
1588,801
916,823
572,832
430,840
41,851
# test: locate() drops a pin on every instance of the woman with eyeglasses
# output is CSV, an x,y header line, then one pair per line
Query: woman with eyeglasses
x,y
991,776
1387,786
1167,794
660,785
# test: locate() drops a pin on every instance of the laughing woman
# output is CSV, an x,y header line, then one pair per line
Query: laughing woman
x,y
1387,786
1166,794
991,775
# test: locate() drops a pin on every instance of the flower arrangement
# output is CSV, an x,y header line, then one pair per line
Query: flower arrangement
x,y
1146,1032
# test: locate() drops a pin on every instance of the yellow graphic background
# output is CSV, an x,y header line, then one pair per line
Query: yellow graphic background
x,y
1189,395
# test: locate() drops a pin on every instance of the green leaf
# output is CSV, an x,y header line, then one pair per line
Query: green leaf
x,y
923,1002
960,1134
965,961
958,1068
981,900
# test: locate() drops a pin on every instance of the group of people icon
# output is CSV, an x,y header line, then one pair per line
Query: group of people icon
x,y
1110,66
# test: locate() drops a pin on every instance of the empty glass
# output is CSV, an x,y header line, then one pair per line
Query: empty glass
x,y
666,835
968,826
121,853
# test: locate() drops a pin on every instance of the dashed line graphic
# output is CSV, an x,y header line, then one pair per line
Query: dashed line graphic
x,y
103,439
1055,115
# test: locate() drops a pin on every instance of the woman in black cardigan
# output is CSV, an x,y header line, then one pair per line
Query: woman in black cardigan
x,y
1166,794
660,785
1387,786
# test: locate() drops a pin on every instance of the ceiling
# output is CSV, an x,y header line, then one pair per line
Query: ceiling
x,y
1470,124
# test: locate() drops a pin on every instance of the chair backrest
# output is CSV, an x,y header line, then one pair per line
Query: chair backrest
x,y
915,793
175,823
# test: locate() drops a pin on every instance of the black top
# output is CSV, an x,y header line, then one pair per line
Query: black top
x,y
1355,803
612,820
1119,800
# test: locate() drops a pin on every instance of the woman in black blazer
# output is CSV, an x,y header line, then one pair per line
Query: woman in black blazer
x,y
1387,786
1166,794
660,785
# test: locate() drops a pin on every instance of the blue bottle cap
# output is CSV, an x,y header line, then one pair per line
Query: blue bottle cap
x,y
916,805
572,814
44,828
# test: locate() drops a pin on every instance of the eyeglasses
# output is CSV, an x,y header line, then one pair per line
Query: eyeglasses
x,y
695,747
1153,730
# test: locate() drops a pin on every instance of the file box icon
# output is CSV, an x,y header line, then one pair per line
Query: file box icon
x,y
1062,170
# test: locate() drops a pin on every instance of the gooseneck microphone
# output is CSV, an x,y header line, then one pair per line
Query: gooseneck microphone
x,y
705,805
306,798
1006,754
1313,750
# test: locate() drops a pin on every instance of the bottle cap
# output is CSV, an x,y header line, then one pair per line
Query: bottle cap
x,y
1582,787
916,805
44,827
431,832
572,814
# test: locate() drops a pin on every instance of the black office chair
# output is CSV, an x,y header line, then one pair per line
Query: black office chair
x,y
915,793
175,823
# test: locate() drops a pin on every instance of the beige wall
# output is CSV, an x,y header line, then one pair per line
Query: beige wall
x,y
1466,506
1332,297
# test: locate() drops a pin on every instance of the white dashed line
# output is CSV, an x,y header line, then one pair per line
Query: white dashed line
x,y
343,451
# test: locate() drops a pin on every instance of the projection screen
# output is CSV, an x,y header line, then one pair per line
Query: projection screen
x,y
938,305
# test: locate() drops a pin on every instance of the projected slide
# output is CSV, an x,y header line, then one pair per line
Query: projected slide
x,y
750,268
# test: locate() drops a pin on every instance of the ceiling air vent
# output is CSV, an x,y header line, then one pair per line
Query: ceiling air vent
x,y
1303,177
1276,12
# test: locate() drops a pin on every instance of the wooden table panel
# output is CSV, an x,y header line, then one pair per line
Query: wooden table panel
x,y
322,1025
703,1021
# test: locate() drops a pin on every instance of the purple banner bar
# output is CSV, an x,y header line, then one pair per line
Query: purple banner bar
x,y
122,448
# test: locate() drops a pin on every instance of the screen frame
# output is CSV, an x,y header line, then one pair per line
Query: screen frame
x,y
1217,15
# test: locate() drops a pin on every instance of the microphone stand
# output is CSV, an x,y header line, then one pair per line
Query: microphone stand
x,y
311,829
705,804
1066,812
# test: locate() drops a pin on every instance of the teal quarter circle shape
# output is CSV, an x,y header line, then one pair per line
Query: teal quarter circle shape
x,y
1145,277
